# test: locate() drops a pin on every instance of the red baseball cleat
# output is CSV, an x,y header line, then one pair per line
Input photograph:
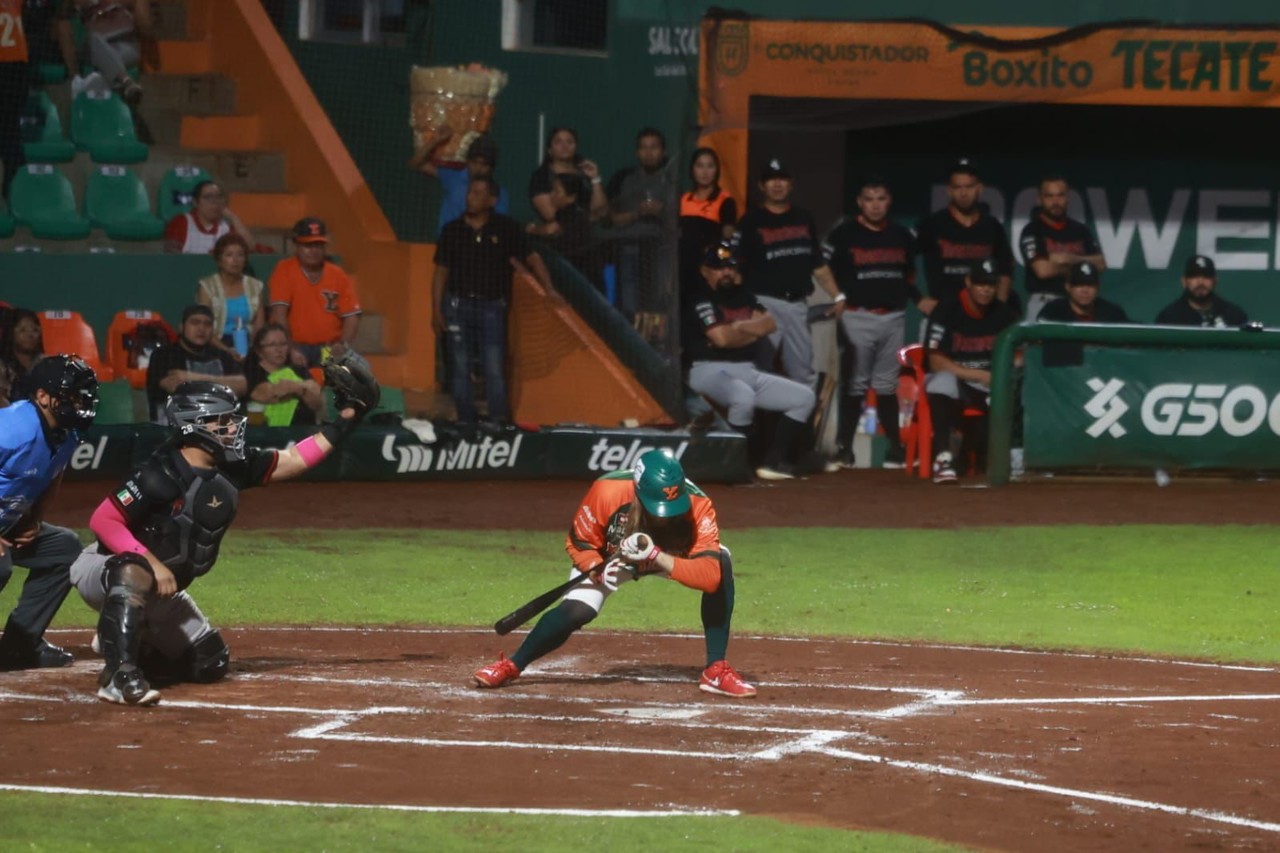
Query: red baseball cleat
x,y
723,680
497,673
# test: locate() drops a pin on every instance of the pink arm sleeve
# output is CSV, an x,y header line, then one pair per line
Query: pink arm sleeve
x,y
109,526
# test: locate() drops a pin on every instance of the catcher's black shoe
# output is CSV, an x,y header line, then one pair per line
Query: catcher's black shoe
x,y
128,686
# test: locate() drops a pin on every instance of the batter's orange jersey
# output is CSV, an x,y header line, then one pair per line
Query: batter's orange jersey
x,y
13,39
316,310
599,527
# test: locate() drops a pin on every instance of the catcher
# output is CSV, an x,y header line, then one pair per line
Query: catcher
x,y
648,521
161,529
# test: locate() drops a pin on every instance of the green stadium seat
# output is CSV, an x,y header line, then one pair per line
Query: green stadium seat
x,y
42,199
116,201
51,73
115,403
6,221
175,190
42,137
102,125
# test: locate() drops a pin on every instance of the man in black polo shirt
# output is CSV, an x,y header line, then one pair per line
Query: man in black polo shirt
x,y
960,235
1199,305
1052,243
874,262
1082,303
960,339
781,258
471,292
194,358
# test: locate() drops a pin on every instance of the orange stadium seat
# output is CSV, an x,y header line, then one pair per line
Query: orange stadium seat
x,y
123,340
67,332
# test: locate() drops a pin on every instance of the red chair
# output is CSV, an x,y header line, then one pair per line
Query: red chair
x,y
67,332
917,435
123,338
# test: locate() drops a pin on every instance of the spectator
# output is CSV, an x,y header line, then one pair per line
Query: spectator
x,y
236,299
562,157
707,215
873,260
1082,303
782,258
313,297
1199,305
960,235
15,76
115,31
570,234
724,325
482,159
643,211
208,221
960,339
275,388
193,358
24,347
1052,243
471,292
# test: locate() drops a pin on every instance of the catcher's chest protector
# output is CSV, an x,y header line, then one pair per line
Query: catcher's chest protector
x,y
197,526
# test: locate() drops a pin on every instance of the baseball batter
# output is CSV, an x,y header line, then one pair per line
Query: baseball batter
x,y
163,527
633,524
874,262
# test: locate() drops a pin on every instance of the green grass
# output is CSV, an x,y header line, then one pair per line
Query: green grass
x,y
43,823
1209,592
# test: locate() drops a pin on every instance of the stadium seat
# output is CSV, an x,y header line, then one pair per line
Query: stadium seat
x,y
102,125
115,403
116,201
67,332
42,199
6,221
123,340
48,73
175,190
42,137
917,435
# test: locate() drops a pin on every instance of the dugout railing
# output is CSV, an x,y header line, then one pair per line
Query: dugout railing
x,y
1123,397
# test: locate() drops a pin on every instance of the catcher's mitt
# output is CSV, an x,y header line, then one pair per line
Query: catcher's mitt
x,y
352,382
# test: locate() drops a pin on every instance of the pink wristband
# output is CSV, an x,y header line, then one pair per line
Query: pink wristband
x,y
309,450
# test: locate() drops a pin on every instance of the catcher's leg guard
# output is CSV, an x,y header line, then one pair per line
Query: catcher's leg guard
x,y
205,661
552,630
129,584
717,610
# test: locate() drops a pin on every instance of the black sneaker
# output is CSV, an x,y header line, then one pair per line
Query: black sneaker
x,y
845,458
895,457
128,687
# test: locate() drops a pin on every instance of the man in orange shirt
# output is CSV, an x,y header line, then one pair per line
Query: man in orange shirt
x,y
313,297
14,79
648,521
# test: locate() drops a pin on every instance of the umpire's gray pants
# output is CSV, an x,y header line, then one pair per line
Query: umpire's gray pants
x,y
741,388
792,337
47,560
171,625
876,339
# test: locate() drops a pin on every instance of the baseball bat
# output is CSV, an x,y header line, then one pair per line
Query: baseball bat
x,y
527,611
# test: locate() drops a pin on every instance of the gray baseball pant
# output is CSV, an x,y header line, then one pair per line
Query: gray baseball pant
x,y
792,337
741,388
876,339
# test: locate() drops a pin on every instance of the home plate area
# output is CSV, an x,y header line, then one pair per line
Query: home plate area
x,y
998,748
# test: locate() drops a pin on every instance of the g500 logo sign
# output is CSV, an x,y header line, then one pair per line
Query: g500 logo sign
x,y
1184,409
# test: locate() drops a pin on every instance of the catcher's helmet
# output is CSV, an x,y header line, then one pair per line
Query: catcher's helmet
x,y
73,386
660,485
208,415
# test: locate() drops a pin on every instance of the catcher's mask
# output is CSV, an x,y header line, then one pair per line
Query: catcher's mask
x,y
73,386
207,415
660,485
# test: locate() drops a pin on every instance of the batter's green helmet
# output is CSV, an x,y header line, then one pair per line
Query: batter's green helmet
x,y
660,485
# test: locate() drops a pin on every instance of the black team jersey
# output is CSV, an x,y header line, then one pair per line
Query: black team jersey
x,y
875,267
966,335
780,252
950,248
1102,311
709,307
1220,314
1043,237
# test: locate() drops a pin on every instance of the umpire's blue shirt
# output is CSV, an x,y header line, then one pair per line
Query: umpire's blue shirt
x,y
27,463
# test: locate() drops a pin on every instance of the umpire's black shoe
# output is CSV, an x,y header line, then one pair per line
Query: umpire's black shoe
x,y
44,656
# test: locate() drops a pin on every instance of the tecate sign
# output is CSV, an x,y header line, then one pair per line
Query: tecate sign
x,y
1184,409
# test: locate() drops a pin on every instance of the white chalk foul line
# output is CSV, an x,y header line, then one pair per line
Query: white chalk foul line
x,y
1073,793
393,807
1113,700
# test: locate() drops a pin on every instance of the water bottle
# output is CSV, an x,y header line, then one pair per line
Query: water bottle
x,y
240,337
869,420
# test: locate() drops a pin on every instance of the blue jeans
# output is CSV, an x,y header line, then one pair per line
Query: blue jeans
x,y
477,327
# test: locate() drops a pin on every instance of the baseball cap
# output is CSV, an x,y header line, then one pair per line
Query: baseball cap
x,y
773,168
1084,273
310,230
192,310
964,166
985,272
1200,265
721,255
483,148
660,485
